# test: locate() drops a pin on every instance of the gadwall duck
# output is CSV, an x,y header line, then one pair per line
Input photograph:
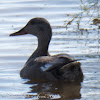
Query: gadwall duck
x,y
41,66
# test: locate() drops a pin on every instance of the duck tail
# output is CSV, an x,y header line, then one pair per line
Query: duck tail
x,y
72,72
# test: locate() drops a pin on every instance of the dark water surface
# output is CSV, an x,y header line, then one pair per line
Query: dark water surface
x,y
14,51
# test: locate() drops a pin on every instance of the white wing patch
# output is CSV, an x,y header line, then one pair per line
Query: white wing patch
x,y
46,66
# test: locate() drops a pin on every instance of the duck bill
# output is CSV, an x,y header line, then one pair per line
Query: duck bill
x,y
20,32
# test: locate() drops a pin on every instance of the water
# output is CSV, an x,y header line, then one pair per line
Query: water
x,y
14,51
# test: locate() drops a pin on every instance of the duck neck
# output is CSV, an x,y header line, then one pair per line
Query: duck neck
x,y
42,49
43,45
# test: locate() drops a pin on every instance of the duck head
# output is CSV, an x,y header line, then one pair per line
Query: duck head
x,y
39,27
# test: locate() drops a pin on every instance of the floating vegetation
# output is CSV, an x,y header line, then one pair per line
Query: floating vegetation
x,y
88,18
96,21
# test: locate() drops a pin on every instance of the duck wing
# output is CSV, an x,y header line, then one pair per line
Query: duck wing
x,y
51,63
61,66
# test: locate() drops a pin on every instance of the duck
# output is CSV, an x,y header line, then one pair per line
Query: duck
x,y
41,66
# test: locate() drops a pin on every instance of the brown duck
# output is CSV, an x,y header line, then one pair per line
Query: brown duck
x,y
41,66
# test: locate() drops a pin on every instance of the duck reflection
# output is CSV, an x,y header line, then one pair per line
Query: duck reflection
x,y
56,90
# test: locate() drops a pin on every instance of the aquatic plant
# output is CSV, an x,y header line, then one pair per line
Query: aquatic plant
x,y
90,10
